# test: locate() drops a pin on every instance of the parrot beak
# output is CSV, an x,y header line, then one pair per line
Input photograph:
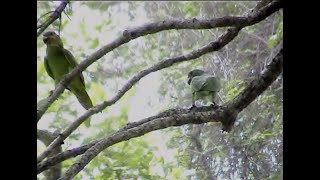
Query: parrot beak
x,y
45,39
189,81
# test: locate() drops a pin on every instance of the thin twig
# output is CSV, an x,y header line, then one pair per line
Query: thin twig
x,y
56,14
42,17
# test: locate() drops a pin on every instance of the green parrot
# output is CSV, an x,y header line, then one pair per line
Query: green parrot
x,y
59,62
203,86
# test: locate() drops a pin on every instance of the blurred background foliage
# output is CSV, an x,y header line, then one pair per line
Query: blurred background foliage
x,y
253,150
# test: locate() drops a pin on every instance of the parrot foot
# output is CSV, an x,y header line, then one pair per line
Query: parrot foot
x,y
192,107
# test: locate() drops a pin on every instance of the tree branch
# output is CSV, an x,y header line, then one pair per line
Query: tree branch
x,y
56,14
154,28
45,136
255,88
225,114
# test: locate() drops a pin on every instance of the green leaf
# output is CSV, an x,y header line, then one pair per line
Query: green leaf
x,y
94,43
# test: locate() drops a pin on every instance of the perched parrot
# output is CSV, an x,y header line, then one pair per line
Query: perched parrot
x,y
58,62
203,86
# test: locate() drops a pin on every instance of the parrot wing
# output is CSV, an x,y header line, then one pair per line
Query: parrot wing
x,y
205,83
71,60
47,67
197,83
212,84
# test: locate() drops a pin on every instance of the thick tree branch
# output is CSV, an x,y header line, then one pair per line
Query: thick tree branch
x,y
56,14
255,88
154,28
224,114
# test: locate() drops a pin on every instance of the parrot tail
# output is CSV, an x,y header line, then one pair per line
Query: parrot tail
x,y
84,100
